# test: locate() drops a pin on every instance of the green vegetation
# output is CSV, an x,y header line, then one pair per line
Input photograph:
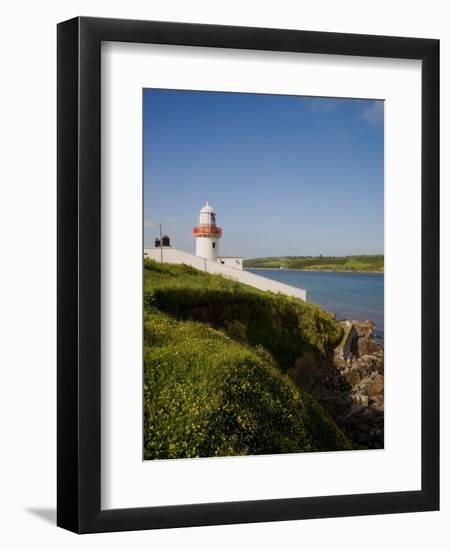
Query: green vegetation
x,y
215,353
368,263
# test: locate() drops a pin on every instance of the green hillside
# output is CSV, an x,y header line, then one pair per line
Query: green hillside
x,y
215,353
367,263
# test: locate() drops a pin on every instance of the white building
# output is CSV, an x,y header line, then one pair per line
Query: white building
x,y
232,261
206,258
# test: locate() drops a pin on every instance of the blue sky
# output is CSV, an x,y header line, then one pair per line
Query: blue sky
x,y
287,175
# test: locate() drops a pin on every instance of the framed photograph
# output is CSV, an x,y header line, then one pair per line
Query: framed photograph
x,y
248,259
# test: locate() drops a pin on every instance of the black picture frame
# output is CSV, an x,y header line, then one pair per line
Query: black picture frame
x,y
79,281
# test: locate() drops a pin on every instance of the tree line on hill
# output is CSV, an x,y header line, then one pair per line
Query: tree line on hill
x,y
363,263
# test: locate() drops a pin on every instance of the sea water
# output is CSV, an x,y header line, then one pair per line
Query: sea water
x,y
357,296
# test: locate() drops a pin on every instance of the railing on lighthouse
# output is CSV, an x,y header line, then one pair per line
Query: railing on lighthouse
x,y
207,231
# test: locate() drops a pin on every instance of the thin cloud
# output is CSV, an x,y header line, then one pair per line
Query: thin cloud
x,y
373,114
154,224
324,105
151,224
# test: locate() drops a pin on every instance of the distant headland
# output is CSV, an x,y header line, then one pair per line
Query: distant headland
x,y
373,263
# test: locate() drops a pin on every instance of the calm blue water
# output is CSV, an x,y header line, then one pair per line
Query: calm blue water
x,y
349,295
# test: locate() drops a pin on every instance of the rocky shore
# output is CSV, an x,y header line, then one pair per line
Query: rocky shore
x,y
349,383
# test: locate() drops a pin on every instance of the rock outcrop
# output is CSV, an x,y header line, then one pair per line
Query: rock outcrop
x,y
349,384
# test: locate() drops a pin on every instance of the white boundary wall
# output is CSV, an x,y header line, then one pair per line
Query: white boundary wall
x,y
175,256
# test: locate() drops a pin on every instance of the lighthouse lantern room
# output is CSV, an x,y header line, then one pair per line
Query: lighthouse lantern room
x,y
207,234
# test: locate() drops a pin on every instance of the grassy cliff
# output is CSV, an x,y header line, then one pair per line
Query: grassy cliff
x,y
215,353
368,263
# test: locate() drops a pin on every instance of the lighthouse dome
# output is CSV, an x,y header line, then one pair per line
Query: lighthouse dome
x,y
207,209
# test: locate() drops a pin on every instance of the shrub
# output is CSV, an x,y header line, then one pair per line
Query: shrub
x,y
285,326
207,395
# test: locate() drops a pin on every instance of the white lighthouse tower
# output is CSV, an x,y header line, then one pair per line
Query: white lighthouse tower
x,y
207,234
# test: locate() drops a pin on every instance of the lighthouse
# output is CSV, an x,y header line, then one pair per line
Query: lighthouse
x,y
207,234
207,258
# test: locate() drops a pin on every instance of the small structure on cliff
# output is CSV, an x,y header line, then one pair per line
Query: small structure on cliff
x,y
162,241
349,344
